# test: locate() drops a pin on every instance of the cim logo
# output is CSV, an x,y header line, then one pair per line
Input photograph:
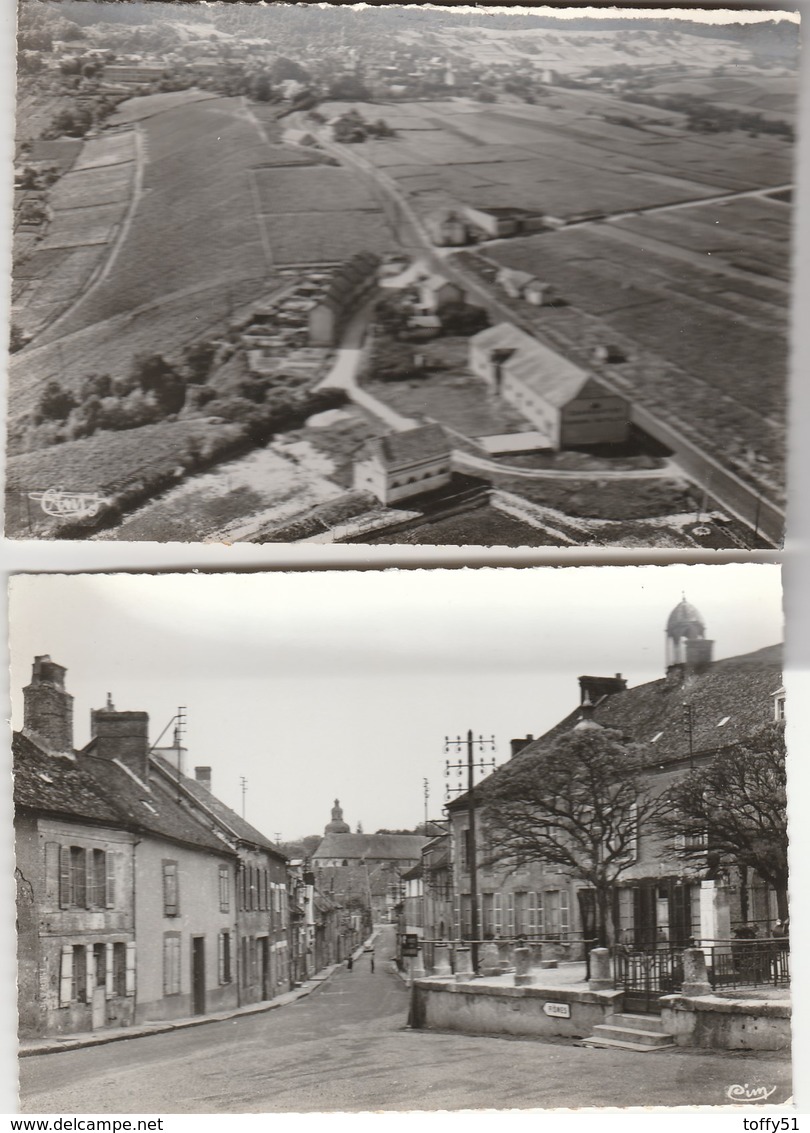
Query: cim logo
x,y
748,1093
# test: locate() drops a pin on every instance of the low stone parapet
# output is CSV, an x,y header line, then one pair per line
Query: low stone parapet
x,y
713,1022
499,1009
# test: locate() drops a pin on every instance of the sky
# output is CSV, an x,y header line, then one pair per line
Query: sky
x,y
318,686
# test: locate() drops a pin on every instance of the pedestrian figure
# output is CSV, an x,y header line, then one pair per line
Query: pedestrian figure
x,y
350,963
371,959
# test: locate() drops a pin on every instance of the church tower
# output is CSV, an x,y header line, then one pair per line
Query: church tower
x,y
687,647
337,825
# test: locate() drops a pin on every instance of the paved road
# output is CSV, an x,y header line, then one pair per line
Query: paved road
x,y
345,1047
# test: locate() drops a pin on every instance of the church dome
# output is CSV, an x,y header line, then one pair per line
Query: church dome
x,y
337,825
685,621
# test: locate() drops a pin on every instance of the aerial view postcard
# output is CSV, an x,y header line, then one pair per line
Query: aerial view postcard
x,y
292,274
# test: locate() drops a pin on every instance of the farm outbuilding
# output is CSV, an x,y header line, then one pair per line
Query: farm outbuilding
x,y
494,222
404,464
563,401
351,283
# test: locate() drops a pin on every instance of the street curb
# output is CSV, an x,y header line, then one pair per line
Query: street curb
x,y
46,1046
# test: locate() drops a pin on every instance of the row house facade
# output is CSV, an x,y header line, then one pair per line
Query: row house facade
x,y
685,719
140,896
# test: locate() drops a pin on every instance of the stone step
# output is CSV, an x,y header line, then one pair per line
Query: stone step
x,y
620,1044
637,1022
631,1035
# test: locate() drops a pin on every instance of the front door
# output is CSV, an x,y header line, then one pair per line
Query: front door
x,y
198,974
99,1002
264,964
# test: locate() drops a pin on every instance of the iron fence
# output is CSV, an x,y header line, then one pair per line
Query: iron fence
x,y
748,963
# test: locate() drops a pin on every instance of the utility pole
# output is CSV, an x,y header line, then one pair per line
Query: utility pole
x,y
472,865
244,784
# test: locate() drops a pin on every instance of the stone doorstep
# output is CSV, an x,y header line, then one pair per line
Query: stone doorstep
x,y
626,1031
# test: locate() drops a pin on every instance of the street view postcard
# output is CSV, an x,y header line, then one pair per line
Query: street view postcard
x,y
562,883
402,275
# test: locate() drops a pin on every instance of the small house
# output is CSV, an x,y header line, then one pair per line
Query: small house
x,y
401,465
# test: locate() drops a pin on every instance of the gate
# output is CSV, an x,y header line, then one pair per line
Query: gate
x,y
646,975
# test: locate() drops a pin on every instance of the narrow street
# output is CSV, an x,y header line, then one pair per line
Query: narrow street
x,y
346,1047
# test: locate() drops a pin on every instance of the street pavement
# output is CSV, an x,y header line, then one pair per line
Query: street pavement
x,y
346,1047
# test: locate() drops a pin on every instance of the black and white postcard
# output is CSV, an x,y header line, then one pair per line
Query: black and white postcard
x,y
318,842
311,274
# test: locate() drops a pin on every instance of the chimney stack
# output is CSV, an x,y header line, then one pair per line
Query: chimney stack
x,y
48,714
123,736
203,776
594,688
519,744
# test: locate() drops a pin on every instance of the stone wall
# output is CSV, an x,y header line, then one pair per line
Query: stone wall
x,y
498,1009
716,1023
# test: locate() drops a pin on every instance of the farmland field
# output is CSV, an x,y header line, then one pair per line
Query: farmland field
x,y
313,188
325,237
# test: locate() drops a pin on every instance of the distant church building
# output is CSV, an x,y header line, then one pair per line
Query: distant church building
x,y
370,867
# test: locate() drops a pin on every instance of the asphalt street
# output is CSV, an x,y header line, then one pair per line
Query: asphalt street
x,y
346,1047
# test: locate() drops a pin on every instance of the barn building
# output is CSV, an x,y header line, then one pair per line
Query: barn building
x,y
401,465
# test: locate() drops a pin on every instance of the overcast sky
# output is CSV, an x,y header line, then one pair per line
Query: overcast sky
x,y
315,686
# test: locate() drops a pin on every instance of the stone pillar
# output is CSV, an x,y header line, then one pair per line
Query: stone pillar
x,y
548,954
522,964
695,977
715,914
601,975
464,972
417,967
441,960
490,959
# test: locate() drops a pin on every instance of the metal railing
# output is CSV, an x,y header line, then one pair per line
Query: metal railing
x,y
748,963
541,950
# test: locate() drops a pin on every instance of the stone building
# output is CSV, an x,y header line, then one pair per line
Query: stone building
x,y
699,708
400,465
259,963
364,870
351,285
565,403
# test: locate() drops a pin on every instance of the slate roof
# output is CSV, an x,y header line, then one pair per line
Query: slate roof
x,y
729,701
57,785
154,810
370,847
233,823
95,790
542,370
398,450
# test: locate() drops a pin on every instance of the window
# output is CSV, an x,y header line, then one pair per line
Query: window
x,y
101,880
521,900
100,965
171,895
510,914
171,963
224,958
497,914
72,877
224,890
565,919
465,850
78,990
487,923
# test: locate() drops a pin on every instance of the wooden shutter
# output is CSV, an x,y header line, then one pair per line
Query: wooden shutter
x,y
109,892
532,899
64,878
130,969
109,984
90,970
66,973
221,957
79,876
496,913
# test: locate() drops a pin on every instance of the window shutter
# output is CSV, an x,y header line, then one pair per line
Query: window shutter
x,y
109,987
79,878
496,908
64,878
130,971
541,920
66,974
564,921
221,957
510,914
109,894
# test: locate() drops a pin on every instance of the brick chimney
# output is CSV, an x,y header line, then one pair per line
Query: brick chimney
x,y
698,654
594,688
519,744
203,776
48,714
123,736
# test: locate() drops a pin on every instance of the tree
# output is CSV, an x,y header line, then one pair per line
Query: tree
x,y
735,811
157,376
55,403
577,806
